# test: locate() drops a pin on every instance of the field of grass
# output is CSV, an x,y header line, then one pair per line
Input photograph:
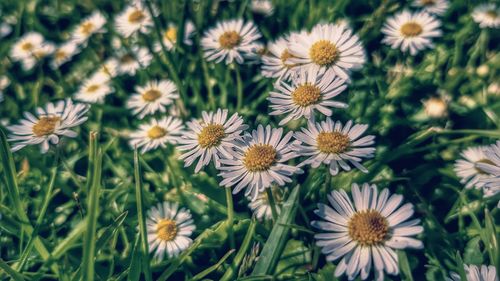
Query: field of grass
x,y
106,108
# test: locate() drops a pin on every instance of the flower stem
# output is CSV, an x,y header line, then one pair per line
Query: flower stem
x,y
239,87
230,217
272,203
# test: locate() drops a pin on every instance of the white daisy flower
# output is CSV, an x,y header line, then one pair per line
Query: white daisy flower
x,y
367,233
26,46
436,7
91,25
436,107
169,230
230,40
275,62
332,47
153,97
261,206
37,55
109,68
157,133
309,92
129,63
476,273
468,170
259,161
94,89
135,18
48,125
333,145
4,82
169,37
211,138
487,15
411,31
63,54
491,166
263,7
5,29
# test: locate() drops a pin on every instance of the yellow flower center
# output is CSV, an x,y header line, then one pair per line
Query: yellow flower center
x,y
93,88
323,53
259,157
151,95
306,95
166,230
229,39
156,132
332,142
136,16
411,29
128,58
27,46
285,56
492,14
171,34
484,161
368,228
211,135
60,55
45,125
87,28
427,2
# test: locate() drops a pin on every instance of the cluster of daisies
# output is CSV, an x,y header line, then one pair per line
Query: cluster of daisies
x,y
312,69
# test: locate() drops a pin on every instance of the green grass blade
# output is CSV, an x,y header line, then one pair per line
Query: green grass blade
x,y
11,272
214,267
89,238
277,239
135,262
9,171
229,274
141,216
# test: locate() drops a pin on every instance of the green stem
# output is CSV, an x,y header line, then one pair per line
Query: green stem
x,y
230,217
270,197
239,87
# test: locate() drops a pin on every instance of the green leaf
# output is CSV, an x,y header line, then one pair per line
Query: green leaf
x,y
472,251
404,266
241,253
214,267
89,239
141,216
275,243
11,272
294,260
135,261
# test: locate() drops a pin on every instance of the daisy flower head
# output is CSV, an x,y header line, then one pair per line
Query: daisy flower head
x,y
153,97
258,161
435,7
411,31
109,68
491,166
26,46
261,206
94,89
169,230
275,62
332,144
308,92
365,231
487,15
230,40
169,37
48,125
263,7
157,133
467,169
91,25
135,18
211,138
476,273
331,47
5,29
63,54
129,63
